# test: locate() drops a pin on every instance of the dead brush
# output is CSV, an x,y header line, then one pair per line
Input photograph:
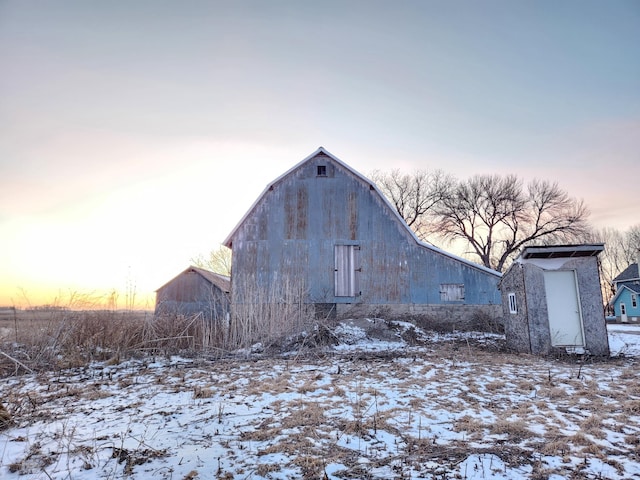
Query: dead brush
x,y
200,392
265,469
592,425
5,417
580,438
495,385
304,414
555,446
268,314
594,450
631,407
307,387
553,393
516,430
471,425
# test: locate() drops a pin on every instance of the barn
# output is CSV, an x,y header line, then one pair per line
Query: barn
x,y
194,291
328,230
552,301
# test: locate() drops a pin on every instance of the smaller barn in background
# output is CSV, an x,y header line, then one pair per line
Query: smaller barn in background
x,y
552,301
195,291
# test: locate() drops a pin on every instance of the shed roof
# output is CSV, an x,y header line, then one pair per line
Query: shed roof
x,y
629,273
322,151
221,281
563,251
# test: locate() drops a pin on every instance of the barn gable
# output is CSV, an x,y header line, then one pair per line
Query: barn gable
x,y
193,291
329,228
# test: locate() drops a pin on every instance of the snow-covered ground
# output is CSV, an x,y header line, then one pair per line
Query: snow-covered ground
x,y
396,403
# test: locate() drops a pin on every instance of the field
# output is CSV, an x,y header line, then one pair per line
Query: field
x,y
386,400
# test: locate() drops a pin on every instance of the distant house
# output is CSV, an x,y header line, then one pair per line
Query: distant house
x,y
326,228
194,291
627,288
552,300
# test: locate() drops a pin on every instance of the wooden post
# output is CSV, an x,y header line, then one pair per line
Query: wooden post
x,y
15,322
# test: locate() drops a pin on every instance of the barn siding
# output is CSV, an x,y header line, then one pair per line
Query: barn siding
x,y
188,294
305,216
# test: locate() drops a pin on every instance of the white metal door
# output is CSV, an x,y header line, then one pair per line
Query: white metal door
x,y
565,319
346,269
623,313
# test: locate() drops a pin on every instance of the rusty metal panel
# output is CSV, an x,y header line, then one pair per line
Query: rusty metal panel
x,y
352,209
302,212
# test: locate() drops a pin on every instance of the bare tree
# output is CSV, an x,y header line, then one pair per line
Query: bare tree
x,y
611,261
414,196
495,216
218,260
620,251
632,244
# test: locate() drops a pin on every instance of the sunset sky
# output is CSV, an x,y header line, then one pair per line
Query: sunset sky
x,y
135,134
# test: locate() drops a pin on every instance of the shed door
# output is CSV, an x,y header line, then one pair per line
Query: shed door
x,y
346,269
565,320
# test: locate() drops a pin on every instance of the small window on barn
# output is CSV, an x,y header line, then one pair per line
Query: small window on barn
x,y
513,303
322,170
634,300
452,292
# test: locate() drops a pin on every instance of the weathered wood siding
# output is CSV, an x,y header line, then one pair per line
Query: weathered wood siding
x,y
294,227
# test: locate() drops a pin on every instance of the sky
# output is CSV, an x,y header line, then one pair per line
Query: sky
x,y
134,135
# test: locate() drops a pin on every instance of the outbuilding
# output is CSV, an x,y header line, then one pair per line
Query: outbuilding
x,y
195,291
552,301
328,231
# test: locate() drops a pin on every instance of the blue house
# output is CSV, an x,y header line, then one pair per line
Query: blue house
x,y
328,230
627,288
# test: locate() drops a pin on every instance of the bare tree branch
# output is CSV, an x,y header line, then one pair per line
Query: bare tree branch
x,y
494,215
218,261
496,218
414,196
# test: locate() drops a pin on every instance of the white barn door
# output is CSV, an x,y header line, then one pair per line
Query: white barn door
x,y
346,269
565,319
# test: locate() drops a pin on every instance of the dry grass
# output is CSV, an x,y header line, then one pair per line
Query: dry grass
x,y
337,409
58,338
516,429
470,425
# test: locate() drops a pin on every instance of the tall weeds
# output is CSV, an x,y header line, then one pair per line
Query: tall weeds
x,y
265,314
64,337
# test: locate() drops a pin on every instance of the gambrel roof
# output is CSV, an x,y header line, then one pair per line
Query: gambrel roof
x,y
374,190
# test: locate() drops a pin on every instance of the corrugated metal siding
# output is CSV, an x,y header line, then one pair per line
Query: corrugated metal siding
x,y
341,209
189,293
